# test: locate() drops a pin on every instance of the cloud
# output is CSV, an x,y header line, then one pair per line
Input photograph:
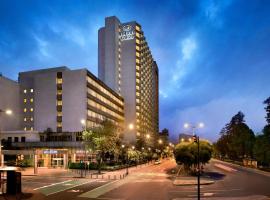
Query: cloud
x,y
163,94
217,112
189,45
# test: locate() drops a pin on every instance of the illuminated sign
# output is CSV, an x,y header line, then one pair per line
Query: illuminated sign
x,y
50,151
127,33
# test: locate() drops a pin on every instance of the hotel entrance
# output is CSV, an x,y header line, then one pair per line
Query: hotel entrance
x,y
52,158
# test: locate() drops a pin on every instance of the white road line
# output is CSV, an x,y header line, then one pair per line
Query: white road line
x,y
51,185
71,187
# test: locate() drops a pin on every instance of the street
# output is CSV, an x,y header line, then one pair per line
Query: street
x,y
151,182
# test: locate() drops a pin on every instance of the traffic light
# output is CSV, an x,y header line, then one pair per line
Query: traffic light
x,y
194,137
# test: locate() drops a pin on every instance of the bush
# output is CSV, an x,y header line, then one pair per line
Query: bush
x,y
186,153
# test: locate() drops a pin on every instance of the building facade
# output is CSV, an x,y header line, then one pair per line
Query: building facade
x,y
125,64
9,100
49,106
59,99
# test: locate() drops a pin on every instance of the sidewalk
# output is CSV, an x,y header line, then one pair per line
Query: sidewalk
x,y
244,168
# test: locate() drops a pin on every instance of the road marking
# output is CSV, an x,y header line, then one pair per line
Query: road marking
x,y
208,194
56,188
52,184
98,192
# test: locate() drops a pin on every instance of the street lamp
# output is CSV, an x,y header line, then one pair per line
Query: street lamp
x,y
130,126
197,140
7,112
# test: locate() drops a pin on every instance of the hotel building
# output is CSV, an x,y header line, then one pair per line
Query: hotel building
x,y
52,104
126,65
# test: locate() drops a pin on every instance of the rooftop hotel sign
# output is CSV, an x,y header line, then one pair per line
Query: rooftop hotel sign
x,y
127,33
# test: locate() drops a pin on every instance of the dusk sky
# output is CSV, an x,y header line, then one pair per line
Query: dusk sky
x,y
213,56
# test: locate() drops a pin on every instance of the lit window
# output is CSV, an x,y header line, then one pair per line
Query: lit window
x,y
31,100
31,109
31,90
24,91
59,81
24,110
137,54
137,60
24,100
25,128
137,41
31,128
31,119
59,124
24,119
59,114
59,103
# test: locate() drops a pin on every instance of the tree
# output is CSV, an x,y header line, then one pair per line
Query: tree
x,y
236,140
267,109
186,153
262,149
102,139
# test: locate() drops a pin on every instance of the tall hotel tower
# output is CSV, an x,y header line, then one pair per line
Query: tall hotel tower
x,y
125,64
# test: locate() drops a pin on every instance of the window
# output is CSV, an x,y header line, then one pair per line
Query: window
x,y
31,90
24,100
59,103
59,81
31,128
31,100
31,109
31,119
42,139
24,119
25,128
9,139
16,139
24,110
24,91
23,139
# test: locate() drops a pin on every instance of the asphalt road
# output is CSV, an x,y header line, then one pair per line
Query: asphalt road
x,y
152,183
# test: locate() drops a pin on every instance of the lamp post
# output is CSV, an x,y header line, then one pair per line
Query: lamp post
x,y
7,112
196,139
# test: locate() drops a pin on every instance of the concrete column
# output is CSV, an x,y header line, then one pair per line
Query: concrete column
x,y
2,159
73,158
65,160
35,163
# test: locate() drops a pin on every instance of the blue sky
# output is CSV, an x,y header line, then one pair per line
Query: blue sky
x,y
213,56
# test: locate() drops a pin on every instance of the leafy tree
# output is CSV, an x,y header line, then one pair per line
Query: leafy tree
x,y
262,149
102,139
237,139
186,153
267,109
